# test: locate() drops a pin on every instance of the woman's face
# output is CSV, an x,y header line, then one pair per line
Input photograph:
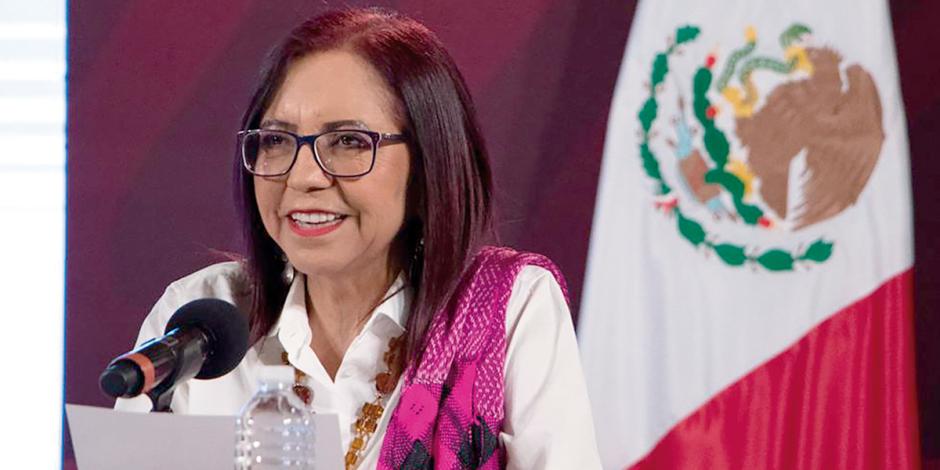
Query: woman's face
x,y
325,225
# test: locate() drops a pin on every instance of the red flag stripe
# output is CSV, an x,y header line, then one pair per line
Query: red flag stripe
x,y
843,396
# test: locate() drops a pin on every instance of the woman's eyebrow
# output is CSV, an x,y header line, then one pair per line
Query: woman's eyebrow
x,y
346,123
328,126
276,123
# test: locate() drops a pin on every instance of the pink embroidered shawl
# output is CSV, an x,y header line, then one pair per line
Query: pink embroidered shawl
x,y
451,407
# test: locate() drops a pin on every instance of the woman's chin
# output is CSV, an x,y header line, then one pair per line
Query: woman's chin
x,y
337,263
319,265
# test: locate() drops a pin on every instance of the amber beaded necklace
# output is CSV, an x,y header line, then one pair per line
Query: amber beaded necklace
x,y
369,414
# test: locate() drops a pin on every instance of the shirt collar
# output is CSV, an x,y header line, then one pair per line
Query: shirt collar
x,y
393,311
294,304
396,306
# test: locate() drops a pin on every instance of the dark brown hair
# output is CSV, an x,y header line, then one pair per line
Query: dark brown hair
x,y
450,189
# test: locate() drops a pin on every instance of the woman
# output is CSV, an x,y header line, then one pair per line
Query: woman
x,y
365,192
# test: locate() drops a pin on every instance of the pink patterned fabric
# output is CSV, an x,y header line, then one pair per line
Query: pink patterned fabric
x,y
451,407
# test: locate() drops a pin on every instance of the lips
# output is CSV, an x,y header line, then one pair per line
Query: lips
x,y
314,223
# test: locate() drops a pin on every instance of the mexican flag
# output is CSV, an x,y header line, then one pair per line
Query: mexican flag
x,y
748,299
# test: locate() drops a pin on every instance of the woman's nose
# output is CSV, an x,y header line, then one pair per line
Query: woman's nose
x,y
306,174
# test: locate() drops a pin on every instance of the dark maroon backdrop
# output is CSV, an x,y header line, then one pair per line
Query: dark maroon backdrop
x,y
156,89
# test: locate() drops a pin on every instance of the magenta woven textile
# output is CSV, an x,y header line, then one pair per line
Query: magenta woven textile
x,y
451,407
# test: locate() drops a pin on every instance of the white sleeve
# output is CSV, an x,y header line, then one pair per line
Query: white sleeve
x,y
548,421
153,327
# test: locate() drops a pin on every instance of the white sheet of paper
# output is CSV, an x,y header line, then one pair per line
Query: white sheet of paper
x,y
105,439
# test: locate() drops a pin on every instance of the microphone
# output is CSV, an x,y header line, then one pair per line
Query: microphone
x,y
205,339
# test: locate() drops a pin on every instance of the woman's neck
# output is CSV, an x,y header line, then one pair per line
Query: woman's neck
x,y
339,306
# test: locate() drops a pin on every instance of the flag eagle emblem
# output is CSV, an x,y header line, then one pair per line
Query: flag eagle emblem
x,y
776,142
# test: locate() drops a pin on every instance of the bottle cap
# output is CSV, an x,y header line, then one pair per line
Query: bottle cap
x,y
275,375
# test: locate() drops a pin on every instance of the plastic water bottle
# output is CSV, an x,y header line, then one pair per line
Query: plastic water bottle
x,y
275,429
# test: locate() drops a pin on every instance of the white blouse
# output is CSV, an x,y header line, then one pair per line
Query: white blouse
x,y
547,420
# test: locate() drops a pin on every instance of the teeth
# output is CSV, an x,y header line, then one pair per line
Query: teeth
x,y
314,218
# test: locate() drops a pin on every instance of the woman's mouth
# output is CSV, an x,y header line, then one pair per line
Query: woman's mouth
x,y
312,224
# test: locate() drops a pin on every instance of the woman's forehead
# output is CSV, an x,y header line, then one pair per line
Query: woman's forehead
x,y
330,86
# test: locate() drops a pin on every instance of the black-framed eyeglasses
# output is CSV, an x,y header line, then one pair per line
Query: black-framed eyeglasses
x,y
340,153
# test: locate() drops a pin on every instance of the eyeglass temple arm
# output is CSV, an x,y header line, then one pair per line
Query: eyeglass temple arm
x,y
393,137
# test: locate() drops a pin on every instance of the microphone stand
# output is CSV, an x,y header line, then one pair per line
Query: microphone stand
x,y
161,397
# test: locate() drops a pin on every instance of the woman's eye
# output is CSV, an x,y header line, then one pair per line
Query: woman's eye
x,y
272,140
351,141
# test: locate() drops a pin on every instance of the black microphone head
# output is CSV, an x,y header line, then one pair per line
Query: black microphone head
x,y
121,380
226,328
